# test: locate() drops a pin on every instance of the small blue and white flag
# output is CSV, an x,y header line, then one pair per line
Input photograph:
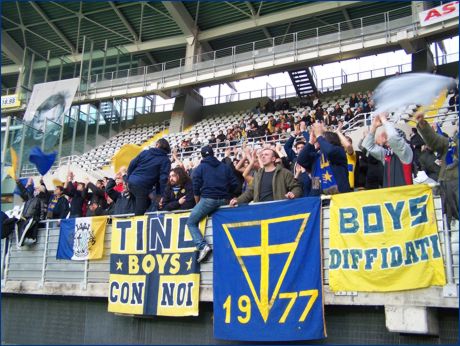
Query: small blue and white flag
x,y
82,238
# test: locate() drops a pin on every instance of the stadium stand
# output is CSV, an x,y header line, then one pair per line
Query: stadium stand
x,y
192,45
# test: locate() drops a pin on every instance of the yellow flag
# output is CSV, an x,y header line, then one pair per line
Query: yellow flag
x,y
433,109
124,156
11,171
384,244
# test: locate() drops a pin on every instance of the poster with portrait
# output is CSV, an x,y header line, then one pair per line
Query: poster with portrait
x,y
45,111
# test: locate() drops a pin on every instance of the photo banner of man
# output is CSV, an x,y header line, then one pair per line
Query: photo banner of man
x,y
384,244
48,104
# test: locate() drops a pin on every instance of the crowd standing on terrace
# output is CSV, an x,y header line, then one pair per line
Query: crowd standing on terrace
x,y
280,158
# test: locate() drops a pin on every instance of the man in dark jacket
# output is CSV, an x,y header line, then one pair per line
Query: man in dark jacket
x,y
97,194
76,192
34,210
150,169
178,193
58,206
213,182
123,202
290,152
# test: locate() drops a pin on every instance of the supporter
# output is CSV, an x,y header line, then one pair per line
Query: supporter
x,y
8,224
58,206
97,194
271,182
33,211
453,100
319,113
196,141
213,183
292,153
230,163
353,101
149,170
352,161
327,143
212,141
123,202
448,173
304,179
416,143
94,209
338,111
333,121
76,193
373,169
221,137
428,162
390,147
178,193
348,115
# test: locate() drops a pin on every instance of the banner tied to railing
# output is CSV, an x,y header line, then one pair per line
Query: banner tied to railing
x,y
153,268
81,238
385,240
268,272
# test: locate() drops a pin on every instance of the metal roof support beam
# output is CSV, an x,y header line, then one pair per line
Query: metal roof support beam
x,y
181,16
52,25
255,15
124,21
296,13
12,49
348,19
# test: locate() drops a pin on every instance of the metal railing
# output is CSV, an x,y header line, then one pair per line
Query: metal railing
x,y
35,269
335,83
380,25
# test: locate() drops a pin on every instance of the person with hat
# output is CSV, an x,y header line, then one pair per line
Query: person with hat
x,y
213,183
391,148
271,182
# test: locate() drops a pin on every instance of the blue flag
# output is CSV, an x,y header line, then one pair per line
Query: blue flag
x,y
42,161
323,171
268,272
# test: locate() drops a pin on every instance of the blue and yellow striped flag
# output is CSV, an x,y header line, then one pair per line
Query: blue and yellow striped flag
x,y
82,238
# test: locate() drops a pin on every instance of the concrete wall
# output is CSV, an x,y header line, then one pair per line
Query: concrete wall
x,y
152,118
55,320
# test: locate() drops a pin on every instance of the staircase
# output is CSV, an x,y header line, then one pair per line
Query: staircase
x,y
303,82
109,112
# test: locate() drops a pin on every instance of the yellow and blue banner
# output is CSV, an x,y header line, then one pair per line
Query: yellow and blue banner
x,y
153,267
82,238
268,272
385,240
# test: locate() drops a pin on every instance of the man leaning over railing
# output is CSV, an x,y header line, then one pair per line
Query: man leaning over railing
x,y
448,174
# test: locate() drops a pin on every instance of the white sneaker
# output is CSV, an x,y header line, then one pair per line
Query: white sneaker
x,y
204,253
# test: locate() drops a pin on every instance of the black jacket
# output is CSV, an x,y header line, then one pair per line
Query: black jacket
x,y
35,206
123,202
213,179
77,200
96,196
149,169
171,199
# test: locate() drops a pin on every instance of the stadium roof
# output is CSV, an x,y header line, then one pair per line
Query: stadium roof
x,y
155,32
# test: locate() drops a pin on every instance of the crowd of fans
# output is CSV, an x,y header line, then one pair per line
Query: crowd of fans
x,y
256,166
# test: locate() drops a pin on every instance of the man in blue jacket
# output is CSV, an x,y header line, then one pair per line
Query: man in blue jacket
x,y
148,170
213,185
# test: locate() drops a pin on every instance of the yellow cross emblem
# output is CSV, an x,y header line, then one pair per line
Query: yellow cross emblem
x,y
264,304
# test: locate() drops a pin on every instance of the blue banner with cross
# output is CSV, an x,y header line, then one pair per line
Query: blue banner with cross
x,y
268,272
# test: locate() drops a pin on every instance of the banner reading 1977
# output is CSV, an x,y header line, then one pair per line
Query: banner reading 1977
x,y
268,272
384,244
153,267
